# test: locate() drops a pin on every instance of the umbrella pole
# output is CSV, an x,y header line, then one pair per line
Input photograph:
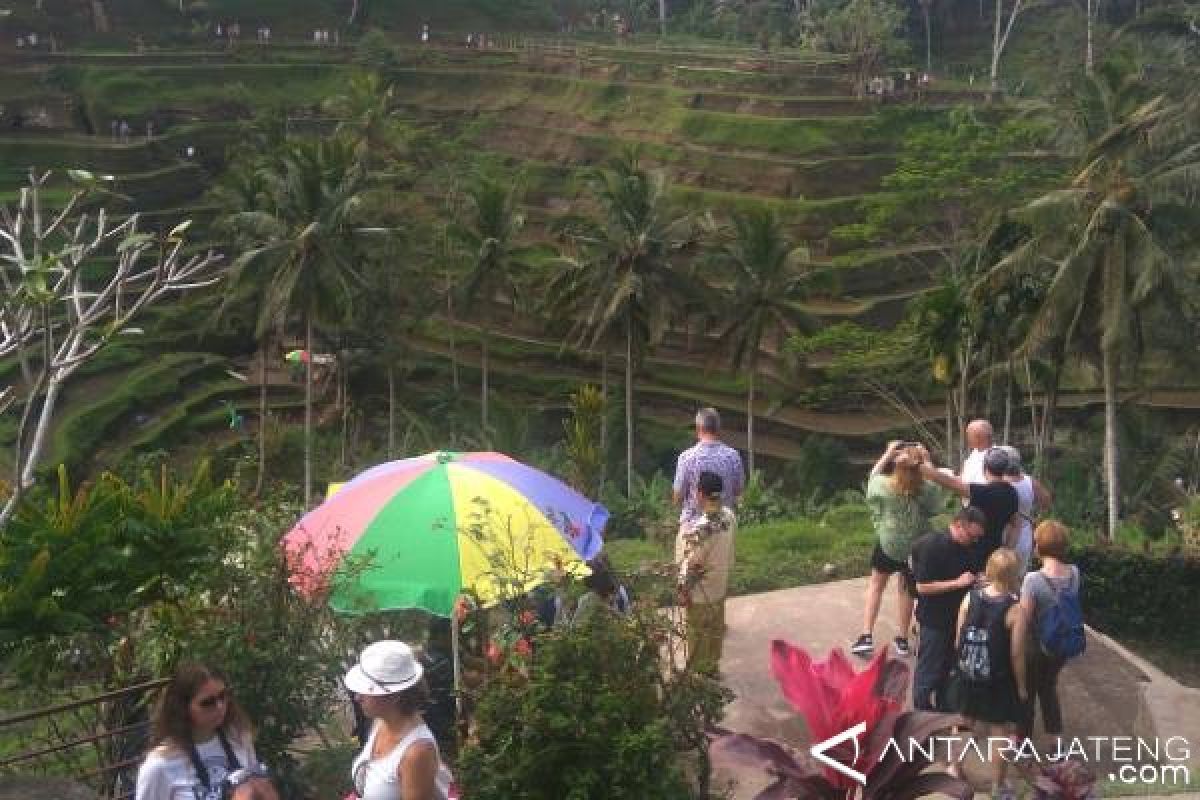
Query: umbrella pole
x,y
456,657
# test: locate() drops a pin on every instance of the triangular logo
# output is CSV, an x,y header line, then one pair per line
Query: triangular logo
x,y
818,752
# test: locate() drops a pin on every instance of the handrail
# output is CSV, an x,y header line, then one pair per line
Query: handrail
x,y
111,760
100,698
58,748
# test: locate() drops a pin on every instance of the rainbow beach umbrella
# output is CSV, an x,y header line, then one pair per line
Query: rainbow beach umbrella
x,y
418,532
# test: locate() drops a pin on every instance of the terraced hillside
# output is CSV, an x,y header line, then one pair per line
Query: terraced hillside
x,y
732,131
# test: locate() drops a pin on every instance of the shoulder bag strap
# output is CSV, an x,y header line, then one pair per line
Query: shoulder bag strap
x,y
230,756
198,763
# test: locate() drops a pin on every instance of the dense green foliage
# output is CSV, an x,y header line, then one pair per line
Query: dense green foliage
x,y
1141,596
77,560
593,713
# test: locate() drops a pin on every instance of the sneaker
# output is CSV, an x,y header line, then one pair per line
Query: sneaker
x,y
863,645
901,645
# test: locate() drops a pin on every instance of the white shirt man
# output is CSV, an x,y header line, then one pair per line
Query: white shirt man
x,y
979,439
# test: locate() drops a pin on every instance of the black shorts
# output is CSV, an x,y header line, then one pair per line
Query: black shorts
x,y
882,562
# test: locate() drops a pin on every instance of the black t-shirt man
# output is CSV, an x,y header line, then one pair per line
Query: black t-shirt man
x,y
938,557
998,502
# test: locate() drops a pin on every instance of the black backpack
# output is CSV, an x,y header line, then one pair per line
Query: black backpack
x,y
983,649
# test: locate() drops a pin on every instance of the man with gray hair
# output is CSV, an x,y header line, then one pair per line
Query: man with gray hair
x,y
709,454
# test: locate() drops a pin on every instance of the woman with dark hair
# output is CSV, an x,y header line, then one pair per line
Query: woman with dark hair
x,y
202,744
604,591
704,555
400,760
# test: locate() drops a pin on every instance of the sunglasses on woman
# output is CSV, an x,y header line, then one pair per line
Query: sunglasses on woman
x,y
213,699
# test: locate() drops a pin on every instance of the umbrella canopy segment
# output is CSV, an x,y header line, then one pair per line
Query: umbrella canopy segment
x,y
416,533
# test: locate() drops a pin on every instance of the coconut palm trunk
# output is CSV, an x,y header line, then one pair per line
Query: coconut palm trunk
x,y
750,420
391,380
629,405
483,383
308,401
604,416
264,354
1089,58
926,8
1110,439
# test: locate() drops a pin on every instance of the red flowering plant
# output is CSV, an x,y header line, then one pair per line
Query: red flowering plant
x,y
1065,780
833,698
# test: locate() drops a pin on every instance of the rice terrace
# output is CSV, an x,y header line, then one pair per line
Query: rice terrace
x,y
503,399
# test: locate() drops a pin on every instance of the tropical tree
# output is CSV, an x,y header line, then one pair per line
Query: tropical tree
x,y
368,117
488,238
1101,238
866,30
305,239
57,312
771,278
1001,32
240,190
626,282
401,296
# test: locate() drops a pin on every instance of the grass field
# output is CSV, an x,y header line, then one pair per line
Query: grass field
x,y
776,555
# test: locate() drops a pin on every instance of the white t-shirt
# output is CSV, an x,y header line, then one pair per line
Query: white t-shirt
x,y
972,468
168,774
378,778
1025,499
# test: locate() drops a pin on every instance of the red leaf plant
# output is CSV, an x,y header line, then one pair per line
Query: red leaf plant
x,y
833,698
1066,780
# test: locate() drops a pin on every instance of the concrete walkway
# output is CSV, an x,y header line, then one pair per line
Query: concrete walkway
x,y
1106,692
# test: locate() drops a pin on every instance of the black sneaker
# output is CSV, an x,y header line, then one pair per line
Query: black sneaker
x,y
863,646
901,645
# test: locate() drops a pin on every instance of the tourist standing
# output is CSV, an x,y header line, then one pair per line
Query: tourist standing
x,y
1049,596
996,498
992,631
1032,497
400,758
941,565
201,739
901,505
978,435
704,555
709,454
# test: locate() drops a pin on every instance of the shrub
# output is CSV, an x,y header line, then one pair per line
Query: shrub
x,y
75,561
593,714
1141,595
282,651
763,502
647,513
375,50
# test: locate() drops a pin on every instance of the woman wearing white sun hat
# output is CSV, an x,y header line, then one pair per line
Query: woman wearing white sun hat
x,y
400,760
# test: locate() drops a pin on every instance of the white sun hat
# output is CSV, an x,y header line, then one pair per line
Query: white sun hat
x,y
385,667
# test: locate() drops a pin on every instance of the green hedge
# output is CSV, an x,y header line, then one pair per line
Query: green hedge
x,y
1142,596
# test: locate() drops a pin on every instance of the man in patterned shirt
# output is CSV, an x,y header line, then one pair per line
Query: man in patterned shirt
x,y
709,454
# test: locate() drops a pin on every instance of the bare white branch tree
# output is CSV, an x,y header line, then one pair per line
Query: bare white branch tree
x,y
60,306
1000,34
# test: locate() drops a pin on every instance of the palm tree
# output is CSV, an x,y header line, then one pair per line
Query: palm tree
x,y
241,189
488,237
625,284
305,245
771,279
1099,237
368,117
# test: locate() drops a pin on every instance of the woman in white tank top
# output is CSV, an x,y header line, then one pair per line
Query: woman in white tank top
x,y
400,760
1032,497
